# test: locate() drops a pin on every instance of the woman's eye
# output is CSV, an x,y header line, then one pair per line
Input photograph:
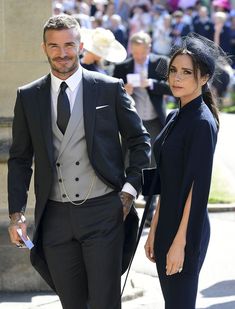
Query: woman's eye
x,y
172,70
187,72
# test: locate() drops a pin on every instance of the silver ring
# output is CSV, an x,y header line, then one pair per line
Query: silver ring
x,y
180,269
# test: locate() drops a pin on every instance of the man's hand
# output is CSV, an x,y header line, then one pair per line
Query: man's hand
x,y
17,222
129,89
146,82
127,200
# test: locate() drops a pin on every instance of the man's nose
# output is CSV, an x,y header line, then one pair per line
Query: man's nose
x,y
62,52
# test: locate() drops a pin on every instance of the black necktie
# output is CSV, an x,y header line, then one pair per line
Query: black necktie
x,y
63,108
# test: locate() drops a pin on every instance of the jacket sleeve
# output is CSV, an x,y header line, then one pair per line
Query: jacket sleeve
x,y
119,72
135,135
20,160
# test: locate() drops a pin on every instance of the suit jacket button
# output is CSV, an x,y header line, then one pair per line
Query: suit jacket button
x,y
77,195
76,179
58,164
77,163
60,180
63,195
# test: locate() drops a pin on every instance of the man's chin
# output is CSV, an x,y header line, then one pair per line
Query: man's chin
x,y
64,70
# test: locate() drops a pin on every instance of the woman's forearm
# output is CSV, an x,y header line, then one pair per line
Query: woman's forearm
x,y
155,217
180,237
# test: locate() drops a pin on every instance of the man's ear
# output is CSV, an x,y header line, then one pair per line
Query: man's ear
x,y
43,47
80,52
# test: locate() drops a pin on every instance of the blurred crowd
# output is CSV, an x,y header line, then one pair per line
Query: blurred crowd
x,y
166,21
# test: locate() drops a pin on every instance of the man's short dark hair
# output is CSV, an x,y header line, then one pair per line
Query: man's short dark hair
x,y
61,22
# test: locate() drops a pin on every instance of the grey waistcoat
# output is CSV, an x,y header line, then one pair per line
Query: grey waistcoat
x,y
73,178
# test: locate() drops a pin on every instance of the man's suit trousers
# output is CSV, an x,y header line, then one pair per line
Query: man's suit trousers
x,y
83,249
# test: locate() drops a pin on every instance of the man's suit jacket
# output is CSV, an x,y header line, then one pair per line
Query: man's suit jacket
x,y
157,68
108,111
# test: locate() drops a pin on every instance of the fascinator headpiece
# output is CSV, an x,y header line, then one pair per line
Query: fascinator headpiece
x,y
206,53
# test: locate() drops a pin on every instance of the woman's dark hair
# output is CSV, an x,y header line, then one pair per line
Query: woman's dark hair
x,y
202,67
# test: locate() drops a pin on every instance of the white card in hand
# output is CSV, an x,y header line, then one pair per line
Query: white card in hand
x,y
134,79
28,243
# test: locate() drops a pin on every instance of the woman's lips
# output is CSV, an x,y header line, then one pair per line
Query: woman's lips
x,y
177,87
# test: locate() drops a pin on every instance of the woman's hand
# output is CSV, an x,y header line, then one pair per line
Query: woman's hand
x,y
175,258
149,252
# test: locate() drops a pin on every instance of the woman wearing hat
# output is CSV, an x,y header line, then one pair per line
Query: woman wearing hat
x,y
180,230
100,45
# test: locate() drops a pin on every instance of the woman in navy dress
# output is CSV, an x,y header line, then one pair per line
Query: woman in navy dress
x,y
180,230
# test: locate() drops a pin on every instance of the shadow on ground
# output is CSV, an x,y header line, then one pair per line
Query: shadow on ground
x,y
220,289
228,305
21,297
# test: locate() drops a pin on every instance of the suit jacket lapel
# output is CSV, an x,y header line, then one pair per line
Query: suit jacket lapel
x,y
90,97
44,97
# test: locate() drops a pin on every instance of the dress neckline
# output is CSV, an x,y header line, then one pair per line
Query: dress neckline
x,y
194,104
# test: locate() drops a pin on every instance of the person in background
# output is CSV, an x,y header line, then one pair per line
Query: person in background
x,y
179,27
222,31
82,15
70,122
140,20
118,29
99,46
222,37
221,5
162,39
232,36
179,235
203,25
150,88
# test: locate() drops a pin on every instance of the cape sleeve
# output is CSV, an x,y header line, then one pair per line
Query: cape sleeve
x,y
200,146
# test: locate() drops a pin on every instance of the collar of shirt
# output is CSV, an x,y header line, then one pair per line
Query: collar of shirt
x,y
73,83
140,67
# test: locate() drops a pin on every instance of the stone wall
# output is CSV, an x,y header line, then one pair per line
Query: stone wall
x,y
21,61
21,56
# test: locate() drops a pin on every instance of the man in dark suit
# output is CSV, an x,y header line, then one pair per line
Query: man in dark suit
x,y
203,25
144,78
70,122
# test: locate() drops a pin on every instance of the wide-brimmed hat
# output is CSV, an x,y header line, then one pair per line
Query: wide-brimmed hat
x,y
102,43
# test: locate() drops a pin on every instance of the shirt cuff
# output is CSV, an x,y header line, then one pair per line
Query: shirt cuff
x,y
129,189
150,83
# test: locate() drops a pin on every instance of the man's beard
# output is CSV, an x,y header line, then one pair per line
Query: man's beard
x,y
63,70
